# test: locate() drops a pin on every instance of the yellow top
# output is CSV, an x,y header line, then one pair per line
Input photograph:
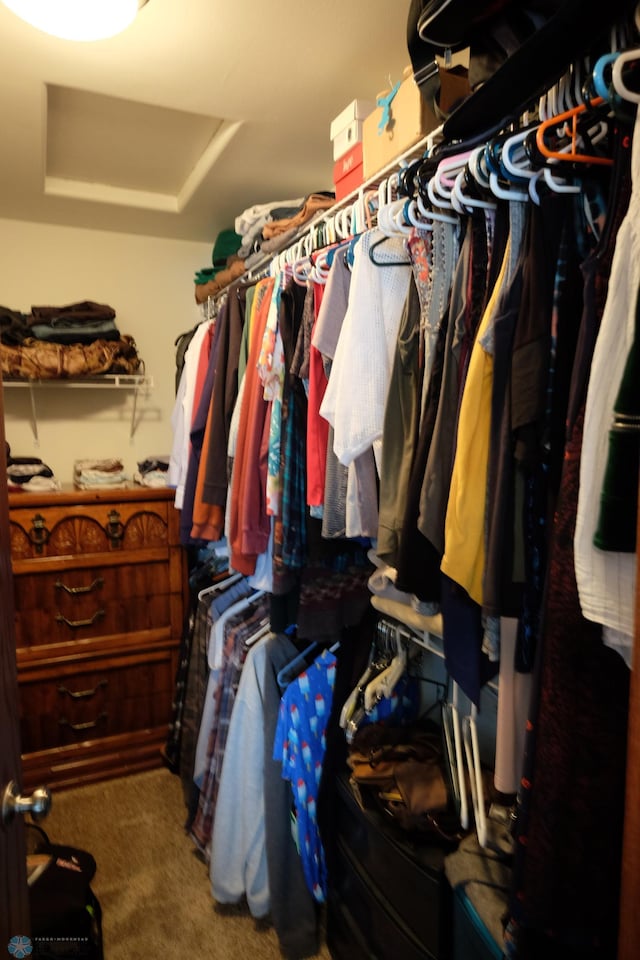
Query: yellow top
x,y
464,531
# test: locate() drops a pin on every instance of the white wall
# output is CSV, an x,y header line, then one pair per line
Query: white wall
x,y
149,283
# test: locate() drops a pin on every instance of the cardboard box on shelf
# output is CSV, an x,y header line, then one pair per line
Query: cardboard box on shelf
x,y
393,128
347,172
346,129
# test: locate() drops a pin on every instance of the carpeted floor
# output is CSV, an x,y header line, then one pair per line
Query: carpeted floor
x,y
153,888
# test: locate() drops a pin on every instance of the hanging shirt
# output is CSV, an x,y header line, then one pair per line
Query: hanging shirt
x,y
464,556
182,414
300,745
606,578
238,849
355,398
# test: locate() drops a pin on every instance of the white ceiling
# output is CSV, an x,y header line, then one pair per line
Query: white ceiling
x,y
199,110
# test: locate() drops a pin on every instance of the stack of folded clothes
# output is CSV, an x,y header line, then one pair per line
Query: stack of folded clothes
x,y
77,323
80,339
270,227
99,474
29,474
152,472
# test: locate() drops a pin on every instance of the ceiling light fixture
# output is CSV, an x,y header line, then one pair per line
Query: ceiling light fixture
x,y
77,19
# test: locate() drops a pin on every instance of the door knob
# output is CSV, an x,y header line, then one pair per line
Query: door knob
x,y
38,804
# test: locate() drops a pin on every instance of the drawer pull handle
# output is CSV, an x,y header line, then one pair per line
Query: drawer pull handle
x,y
74,624
79,727
98,582
83,694
39,533
115,529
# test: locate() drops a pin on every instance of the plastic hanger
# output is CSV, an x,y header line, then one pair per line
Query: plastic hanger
x,y
515,159
383,685
385,263
430,214
557,186
617,75
453,740
412,215
477,167
219,585
465,200
569,118
352,711
472,754
446,173
292,669
262,630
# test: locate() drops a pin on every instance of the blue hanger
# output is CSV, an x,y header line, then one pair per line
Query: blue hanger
x,y
385,103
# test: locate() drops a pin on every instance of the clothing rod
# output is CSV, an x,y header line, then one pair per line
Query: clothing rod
x,y
263,266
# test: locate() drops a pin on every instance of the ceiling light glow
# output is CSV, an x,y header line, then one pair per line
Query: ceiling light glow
x,y
77,19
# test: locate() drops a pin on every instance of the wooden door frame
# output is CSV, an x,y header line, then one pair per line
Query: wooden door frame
x,y
14,902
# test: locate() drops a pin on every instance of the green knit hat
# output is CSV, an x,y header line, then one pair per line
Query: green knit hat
x,y
227,243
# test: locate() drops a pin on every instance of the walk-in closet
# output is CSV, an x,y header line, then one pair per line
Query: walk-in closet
x,y
319,512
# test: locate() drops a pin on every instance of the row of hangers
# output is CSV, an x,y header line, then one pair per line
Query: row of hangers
x,y
550,148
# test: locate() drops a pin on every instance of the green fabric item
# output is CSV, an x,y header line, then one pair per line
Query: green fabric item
x,y
205,274
616,529
226,244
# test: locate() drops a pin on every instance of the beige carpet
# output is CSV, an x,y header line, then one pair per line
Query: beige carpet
x,y
153,888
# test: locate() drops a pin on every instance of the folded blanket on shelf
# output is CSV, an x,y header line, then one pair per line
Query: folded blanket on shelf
x,y
41,360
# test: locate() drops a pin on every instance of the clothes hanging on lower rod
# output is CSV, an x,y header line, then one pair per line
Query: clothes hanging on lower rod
x,y
420,402
239,625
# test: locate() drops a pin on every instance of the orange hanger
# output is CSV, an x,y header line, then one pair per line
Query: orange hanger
x,y
570,118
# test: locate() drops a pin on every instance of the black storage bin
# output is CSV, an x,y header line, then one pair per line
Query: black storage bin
x,y
379,867
377,924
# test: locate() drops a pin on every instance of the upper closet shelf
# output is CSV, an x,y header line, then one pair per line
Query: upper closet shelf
x,y
104,381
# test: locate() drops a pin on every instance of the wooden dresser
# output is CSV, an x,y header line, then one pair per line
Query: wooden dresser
x,y
99,585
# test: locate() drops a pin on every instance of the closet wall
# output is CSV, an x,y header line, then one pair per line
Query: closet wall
x,y
149,283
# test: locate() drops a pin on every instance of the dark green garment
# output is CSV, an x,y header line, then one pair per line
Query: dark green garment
x,y
616,529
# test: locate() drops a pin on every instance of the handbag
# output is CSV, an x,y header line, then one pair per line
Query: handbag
x,y
402,769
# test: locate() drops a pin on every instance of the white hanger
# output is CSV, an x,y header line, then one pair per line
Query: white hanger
x,y
477,166
505,193
219,585
628,56
514,156
386,218
351,702
430,214
412,213
466,201
383,685
472,753
457,771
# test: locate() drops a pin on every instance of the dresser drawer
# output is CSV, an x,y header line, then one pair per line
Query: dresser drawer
x,y
85,603
104,697
99,589
42,532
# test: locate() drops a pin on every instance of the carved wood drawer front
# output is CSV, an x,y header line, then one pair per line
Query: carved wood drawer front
x,y
99,589
42,532
79,604
98,700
